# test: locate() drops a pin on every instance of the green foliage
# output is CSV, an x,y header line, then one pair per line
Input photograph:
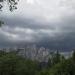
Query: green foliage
x,y
11,3
56,58
64,68
62,59
73,56
43,72
49,64
2,53
11,64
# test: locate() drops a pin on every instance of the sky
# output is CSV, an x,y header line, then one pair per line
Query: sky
x,y
48,23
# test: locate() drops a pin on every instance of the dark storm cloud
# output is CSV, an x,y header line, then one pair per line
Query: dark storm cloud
x,y
64,39
26,23
52,29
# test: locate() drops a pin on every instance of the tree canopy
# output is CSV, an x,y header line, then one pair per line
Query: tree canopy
x,y
11,4
13,64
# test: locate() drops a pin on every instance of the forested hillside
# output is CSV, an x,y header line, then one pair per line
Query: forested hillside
x,y
12,64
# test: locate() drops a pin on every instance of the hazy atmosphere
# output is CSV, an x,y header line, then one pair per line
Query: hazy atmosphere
x,y
48,23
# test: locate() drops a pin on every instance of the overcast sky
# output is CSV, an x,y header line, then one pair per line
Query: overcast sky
x,y
49,23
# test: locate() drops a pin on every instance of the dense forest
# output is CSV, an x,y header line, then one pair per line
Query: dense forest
x,y
13,64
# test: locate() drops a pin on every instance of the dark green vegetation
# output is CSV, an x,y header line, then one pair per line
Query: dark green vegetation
x,y
12,64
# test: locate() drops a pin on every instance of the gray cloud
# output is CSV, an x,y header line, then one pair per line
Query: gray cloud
x,y
52,26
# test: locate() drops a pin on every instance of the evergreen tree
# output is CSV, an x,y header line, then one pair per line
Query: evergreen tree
x,y
73,56
49,64
12,64
56,58
62,59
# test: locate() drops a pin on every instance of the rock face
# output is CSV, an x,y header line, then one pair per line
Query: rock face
x,y
32,52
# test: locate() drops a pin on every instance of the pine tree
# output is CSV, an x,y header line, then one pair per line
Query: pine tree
x,y
56,58
49,64
73,56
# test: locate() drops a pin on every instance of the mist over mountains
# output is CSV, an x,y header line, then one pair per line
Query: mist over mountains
x,y
49,23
